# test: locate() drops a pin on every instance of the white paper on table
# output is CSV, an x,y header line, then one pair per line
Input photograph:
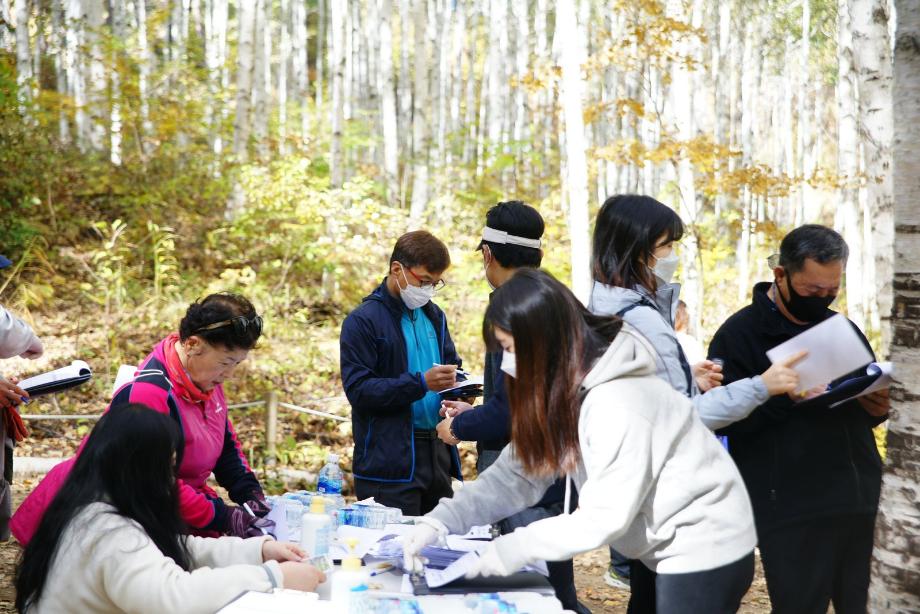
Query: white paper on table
x,y
834,349
279,601
366,538
281,531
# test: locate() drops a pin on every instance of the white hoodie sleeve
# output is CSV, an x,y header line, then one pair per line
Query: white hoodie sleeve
x,y
15,335
617,455
137,577
500,491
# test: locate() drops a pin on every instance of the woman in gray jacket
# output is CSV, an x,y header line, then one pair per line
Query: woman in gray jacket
x,y
634,261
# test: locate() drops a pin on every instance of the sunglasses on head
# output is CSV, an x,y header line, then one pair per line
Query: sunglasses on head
x,y
240,324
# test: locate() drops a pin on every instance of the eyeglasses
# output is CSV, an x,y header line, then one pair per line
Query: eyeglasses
x,y
438,285
240,324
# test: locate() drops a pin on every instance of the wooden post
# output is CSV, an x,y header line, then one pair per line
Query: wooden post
x,y
271,426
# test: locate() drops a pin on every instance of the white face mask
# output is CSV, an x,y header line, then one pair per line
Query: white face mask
x,y
509,364
665,268
414,296
485,271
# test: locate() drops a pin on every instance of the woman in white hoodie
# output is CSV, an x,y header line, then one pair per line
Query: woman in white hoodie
x,y
652,480
111,540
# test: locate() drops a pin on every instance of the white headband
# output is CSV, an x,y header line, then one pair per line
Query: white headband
x,y
500,236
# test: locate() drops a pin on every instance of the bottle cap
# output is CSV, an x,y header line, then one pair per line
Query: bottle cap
x,y
318,505
332,458
351,562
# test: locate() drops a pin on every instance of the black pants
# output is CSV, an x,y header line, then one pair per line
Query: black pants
x,y
715,591
430,482
813,563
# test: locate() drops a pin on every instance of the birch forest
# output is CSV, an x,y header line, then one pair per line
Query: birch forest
x,y
152,151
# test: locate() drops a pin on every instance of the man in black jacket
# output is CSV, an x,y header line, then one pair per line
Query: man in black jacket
x,y
813,472
396,355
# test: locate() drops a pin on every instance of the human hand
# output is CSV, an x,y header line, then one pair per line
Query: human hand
x,y
781,377
301,576
492,561
34,350
444,432
441,377
426,532
449,409
11,395
281,551
243,524
708,375
878,403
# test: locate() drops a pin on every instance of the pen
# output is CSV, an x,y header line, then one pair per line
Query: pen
x,y
459,371
381,570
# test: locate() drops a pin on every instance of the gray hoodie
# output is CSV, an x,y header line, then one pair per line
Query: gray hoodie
x,y
15,335
718,407
652,480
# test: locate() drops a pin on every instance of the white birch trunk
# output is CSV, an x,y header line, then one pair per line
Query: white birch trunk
x,y
803,95
387,87
74,26
120,32
215,41
97,98
872,60
337,78
23,58
521,61
246,17
848,166
420,116
498,44
262,77
143,70
59,36
284,58
319,58
895,585
571,59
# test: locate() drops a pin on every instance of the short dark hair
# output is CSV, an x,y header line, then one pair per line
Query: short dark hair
x,y
811,241
218,308
421,248
627,227
521,220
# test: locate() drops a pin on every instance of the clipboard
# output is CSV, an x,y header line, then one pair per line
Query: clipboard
x,y
74,374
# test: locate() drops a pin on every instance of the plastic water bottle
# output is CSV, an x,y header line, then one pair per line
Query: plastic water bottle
x,y
330,477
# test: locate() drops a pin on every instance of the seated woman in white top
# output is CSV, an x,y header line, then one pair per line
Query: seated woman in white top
x,y
652,480
112,539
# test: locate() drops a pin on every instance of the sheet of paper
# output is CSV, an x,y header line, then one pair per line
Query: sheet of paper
x,y
75,369
834,349
885,370
366,538
281,531
454,571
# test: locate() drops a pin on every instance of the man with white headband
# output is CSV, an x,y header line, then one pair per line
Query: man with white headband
x,y
511,240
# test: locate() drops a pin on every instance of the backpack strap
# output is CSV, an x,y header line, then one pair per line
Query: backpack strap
x,y
684,364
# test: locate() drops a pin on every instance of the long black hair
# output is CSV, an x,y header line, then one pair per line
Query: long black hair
x,y
627,227
128,461
556,341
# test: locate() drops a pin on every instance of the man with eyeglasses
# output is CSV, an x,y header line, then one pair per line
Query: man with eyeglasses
x,y
396,355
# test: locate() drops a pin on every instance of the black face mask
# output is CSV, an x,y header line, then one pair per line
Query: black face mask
x,y
804,308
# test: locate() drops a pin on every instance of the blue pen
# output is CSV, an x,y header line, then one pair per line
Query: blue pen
x,y
382,570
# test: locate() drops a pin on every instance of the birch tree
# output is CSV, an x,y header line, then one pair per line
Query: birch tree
x,y
420,115
571,59
23,58
872,61
848,166
246,21
337,78
97,99
387,86
895,583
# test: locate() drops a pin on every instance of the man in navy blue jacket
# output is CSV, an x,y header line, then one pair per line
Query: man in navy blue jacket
x,y
396,355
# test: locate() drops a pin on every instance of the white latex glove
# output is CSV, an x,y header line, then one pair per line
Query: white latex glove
x,y
427,531
497,559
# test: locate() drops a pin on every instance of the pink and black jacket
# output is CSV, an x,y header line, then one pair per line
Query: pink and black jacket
x,y
208,444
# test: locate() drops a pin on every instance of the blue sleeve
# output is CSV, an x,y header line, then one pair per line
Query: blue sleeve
x,y
360,351
490,421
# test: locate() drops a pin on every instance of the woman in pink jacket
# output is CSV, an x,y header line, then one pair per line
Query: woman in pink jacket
x,y
183,378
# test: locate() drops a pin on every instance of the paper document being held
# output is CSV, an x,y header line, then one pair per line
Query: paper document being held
x,y
72,375
834,349
470,387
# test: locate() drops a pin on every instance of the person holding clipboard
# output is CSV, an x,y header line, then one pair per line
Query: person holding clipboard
x,y
183,378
